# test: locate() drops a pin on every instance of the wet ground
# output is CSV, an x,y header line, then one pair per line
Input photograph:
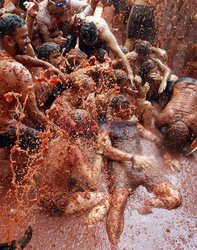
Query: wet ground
x,y
163,229
175,229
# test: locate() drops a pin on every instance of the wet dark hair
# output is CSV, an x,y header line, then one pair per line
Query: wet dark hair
x,y
145,69
171,84
89,31
118,101
143,48
45,50
187,79
177,134
120,75
100,55
9,24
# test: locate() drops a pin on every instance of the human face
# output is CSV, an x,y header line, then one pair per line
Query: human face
x,y
57,7
123,111
90,43
55,59
21,40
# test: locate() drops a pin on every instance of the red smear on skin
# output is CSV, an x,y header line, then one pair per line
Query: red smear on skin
x,y
53,80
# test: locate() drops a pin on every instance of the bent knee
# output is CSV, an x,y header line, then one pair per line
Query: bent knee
x,y
148,104
168,194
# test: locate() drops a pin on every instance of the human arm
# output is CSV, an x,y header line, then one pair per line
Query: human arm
x,y
21,82
32,10
147,134
29,61
172,163
138,161
167,71
111,41
82,9
109,151
161,53
8,8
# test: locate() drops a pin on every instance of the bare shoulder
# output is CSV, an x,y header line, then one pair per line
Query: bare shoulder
x,y
14,72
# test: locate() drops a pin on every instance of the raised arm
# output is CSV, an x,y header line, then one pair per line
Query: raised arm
x,y
110,39
164,68
32,10
82,9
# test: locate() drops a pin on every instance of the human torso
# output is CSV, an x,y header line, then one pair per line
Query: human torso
x,y
184,105
124,136
54,22
7,108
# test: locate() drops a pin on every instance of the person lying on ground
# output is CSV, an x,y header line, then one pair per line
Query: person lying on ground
x,y
128,168
178,120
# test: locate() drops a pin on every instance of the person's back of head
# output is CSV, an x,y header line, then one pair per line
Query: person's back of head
x,y
45,50
9,23
89,32
118,101
143,48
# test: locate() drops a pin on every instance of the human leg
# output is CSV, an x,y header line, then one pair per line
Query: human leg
x,y
119,196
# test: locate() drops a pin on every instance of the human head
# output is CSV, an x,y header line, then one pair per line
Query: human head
x,y
75,57
177,134
14,34
120,107
57,7
50,52
145,69
143,48
84,124
89,33
121,77
83,86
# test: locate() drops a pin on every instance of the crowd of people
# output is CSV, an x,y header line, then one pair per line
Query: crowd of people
x,y
68,83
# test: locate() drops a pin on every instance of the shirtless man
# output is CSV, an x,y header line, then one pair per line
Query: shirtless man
x,y
141,22
55,19
16,85
178,120
67,179
95,35
129,170
151,69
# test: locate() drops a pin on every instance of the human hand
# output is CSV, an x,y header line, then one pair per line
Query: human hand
x,y
143,162
79,18
173,164
102,141
131,79
162,86
132,55
32,8
60,40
